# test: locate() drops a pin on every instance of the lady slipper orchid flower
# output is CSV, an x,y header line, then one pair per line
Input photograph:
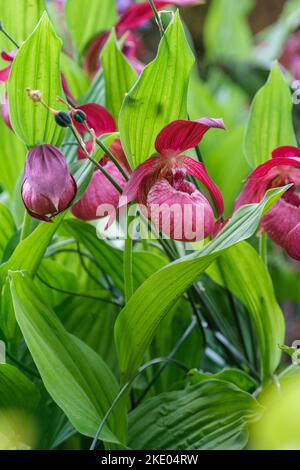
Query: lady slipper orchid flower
x,y
132,16
48,187
100,192
97,118
159,185
282,222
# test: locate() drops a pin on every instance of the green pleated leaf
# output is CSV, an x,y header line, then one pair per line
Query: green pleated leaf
x,y
270,122
235,270
158,97
75,376
12,158
7,227
19,19
87,18
134,329
77,80
235,376
211,415
115,65
37,66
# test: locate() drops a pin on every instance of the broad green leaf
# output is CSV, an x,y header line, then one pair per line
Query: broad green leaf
x,y
235,376
19,20
77,80
138,321
12,158
115,65
36,66
19,398
87,18
7,227
158,97
270,122
242,271
210,415
227,34
35,244
75,376
92,322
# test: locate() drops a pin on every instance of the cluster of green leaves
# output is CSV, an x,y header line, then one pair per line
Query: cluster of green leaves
x,y
210,319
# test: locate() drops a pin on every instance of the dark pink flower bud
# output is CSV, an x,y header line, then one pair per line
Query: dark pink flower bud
x,y
48,187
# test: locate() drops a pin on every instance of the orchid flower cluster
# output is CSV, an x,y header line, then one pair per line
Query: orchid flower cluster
x,y
167,184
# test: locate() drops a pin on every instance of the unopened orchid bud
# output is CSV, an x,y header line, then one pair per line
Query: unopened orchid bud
x,y
48,187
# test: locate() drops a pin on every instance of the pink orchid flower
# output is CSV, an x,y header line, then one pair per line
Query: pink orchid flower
x,y
100,190
282,223
132,16
175,205
48,187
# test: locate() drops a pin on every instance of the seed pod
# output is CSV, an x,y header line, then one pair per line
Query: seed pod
x,y
63,119
79,115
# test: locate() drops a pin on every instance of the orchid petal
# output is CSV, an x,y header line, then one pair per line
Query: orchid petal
x,y
292,242
100,191
280,220
286,151
138,14
263,169
132,186
9,56
197,169
98,118
182,135
4,74
180,212
5,111
46,171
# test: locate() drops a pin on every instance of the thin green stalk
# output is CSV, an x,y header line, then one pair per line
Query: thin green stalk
x,y
263,247
78,294
159,371
25,227
97,164
127,262
157,18
158,360
8,36
108,153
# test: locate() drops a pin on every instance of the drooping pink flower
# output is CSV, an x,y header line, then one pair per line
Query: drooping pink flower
x,y
100,190
132,16
176,206
282,222
48,187
8,57
291,55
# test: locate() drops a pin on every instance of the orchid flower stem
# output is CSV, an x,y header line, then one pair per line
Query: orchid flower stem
x,y
8,36
97,164
157,18
26,226
145,366
108,153
263,248
127,262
